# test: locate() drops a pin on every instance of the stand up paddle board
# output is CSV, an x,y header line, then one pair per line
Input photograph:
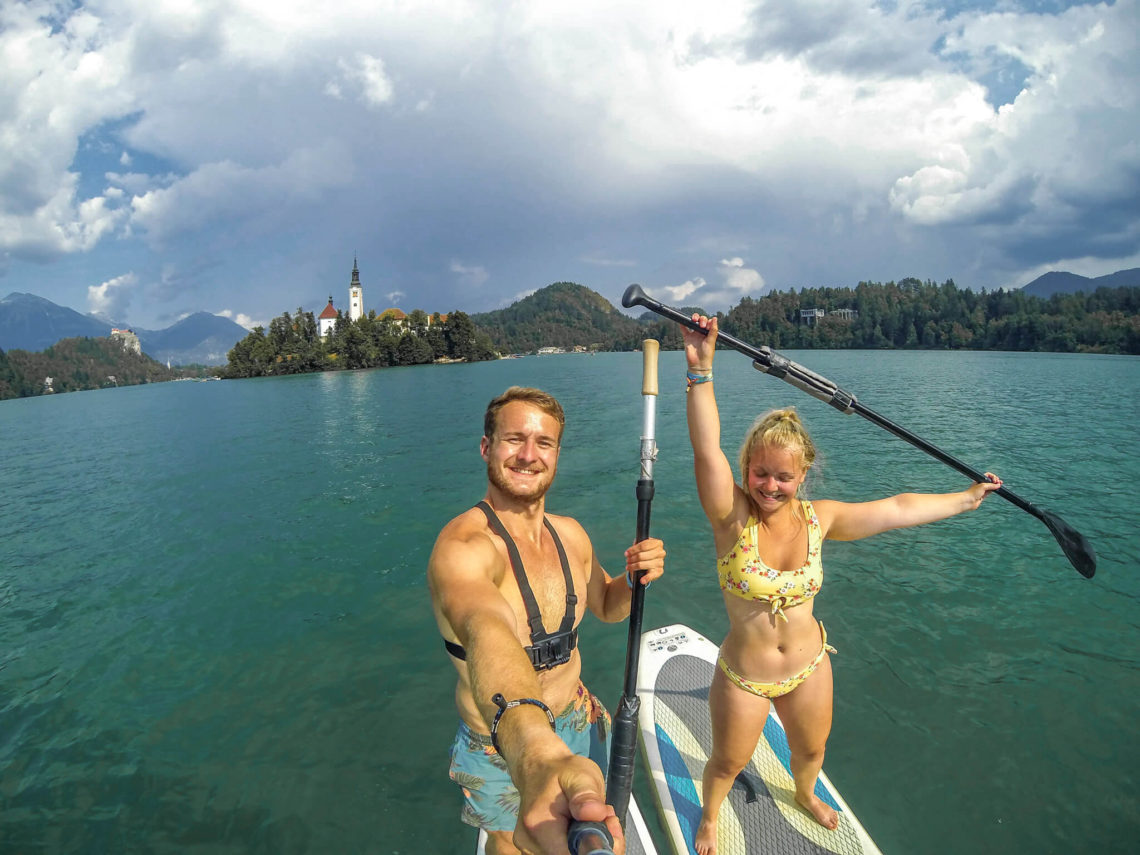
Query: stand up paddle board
x,y
637,839
760,813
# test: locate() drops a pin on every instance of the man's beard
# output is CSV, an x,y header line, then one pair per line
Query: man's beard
x,y
499,478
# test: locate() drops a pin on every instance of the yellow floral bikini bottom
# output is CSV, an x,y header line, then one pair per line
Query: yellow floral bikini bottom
x,y
780,687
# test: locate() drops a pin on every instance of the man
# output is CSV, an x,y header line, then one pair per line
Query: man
x,y
509,586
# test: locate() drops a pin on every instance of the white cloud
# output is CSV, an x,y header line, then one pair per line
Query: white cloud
x,y
472,275
367,74
834,139
241,319
395,297
738,278
55,85
680,293
112,298
226,191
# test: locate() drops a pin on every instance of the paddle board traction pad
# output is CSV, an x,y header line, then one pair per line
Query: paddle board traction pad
x,y
637,838
760,813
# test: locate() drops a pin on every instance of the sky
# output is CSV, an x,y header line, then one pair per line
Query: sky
x,y
163,157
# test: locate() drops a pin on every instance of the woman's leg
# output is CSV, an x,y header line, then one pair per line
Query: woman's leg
x,y
806,716
737,723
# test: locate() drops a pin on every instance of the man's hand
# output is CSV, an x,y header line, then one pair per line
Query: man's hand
x,y
647,555
555,790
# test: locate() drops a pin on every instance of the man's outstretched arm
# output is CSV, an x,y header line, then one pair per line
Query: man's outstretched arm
x,y
555,785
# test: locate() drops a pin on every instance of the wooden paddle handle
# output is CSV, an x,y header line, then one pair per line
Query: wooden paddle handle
x,y
649,350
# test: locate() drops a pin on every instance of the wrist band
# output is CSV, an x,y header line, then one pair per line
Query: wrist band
x,y
629,581
503,704
692,379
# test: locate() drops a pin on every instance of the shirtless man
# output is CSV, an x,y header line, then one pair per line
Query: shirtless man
x,y
526,771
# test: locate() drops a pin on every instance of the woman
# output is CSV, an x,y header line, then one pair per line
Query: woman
x,y
768,542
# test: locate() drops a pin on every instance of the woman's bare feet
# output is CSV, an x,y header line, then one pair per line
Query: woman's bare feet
x,y
824,813
705,841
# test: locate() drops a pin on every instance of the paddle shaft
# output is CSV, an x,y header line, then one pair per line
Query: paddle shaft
x,y
1076,548
619,782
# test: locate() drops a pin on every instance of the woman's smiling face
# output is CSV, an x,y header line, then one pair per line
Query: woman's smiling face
x,y
774,475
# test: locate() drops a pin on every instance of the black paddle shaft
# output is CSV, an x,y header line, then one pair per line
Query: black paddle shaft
x,y
1074,544
619,779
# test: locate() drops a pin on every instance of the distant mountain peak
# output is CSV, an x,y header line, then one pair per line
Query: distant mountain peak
x,y
33,323
1062,282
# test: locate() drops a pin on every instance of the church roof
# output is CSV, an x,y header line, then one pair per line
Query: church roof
x,y
393,313
329,313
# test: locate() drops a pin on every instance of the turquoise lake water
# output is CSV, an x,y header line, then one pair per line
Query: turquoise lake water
x,y
215,634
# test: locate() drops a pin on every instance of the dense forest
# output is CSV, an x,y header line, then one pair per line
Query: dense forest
x,y
76,364
916,314
293,344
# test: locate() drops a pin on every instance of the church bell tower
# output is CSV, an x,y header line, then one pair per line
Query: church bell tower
x,y
355,295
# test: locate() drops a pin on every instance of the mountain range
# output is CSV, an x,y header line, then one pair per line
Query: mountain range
x,y
1057,282
32,323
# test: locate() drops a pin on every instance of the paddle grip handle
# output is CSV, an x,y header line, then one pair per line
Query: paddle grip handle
x,y
649,350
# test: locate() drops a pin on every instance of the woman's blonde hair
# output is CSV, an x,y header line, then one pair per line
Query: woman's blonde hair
x,y
779,429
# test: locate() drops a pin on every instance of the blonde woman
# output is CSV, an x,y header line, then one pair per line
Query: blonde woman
x,y
768,542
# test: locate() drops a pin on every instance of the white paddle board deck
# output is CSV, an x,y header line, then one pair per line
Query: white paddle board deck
x,y
637,838
760,814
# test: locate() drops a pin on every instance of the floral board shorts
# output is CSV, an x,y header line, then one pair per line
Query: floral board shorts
x,y
490,800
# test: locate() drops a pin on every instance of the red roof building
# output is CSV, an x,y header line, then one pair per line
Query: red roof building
x,y
327,319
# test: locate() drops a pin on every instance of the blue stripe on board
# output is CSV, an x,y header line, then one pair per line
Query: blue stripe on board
x,y
778,741
686,803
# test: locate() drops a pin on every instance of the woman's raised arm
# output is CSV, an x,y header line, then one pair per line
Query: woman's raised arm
x,y
715,485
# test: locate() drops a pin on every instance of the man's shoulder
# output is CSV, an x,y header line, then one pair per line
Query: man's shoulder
x,y
471,524
568,527
465,541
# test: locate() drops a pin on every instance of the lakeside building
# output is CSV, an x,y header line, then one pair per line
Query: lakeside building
x,y
813,316
326,321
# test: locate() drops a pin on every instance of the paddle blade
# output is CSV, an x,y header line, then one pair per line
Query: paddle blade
x,y
1074,544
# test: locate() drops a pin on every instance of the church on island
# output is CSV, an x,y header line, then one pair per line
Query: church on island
x,y
326,321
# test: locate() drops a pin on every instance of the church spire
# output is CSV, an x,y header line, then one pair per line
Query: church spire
x,y
355,294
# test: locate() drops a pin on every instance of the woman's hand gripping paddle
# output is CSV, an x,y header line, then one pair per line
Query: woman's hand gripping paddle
x,y
1074,544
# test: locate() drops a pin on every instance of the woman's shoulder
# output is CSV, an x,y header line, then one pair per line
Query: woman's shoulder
x,y
823,512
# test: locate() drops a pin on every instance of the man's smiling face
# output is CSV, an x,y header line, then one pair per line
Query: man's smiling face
x,y
522,456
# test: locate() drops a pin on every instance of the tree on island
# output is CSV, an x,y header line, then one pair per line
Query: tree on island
x,y
294,345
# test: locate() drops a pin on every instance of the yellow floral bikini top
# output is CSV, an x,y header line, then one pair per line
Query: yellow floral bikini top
x,y
744,574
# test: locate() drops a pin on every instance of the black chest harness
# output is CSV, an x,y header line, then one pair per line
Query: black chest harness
x,y
547,649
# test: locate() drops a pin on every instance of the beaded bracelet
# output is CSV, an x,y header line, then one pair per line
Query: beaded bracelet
x,y
503,704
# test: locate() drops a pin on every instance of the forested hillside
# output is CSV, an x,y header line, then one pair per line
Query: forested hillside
x,y
560,315
916,314
76,364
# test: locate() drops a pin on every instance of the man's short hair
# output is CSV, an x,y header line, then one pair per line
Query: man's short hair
x,y
544,401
